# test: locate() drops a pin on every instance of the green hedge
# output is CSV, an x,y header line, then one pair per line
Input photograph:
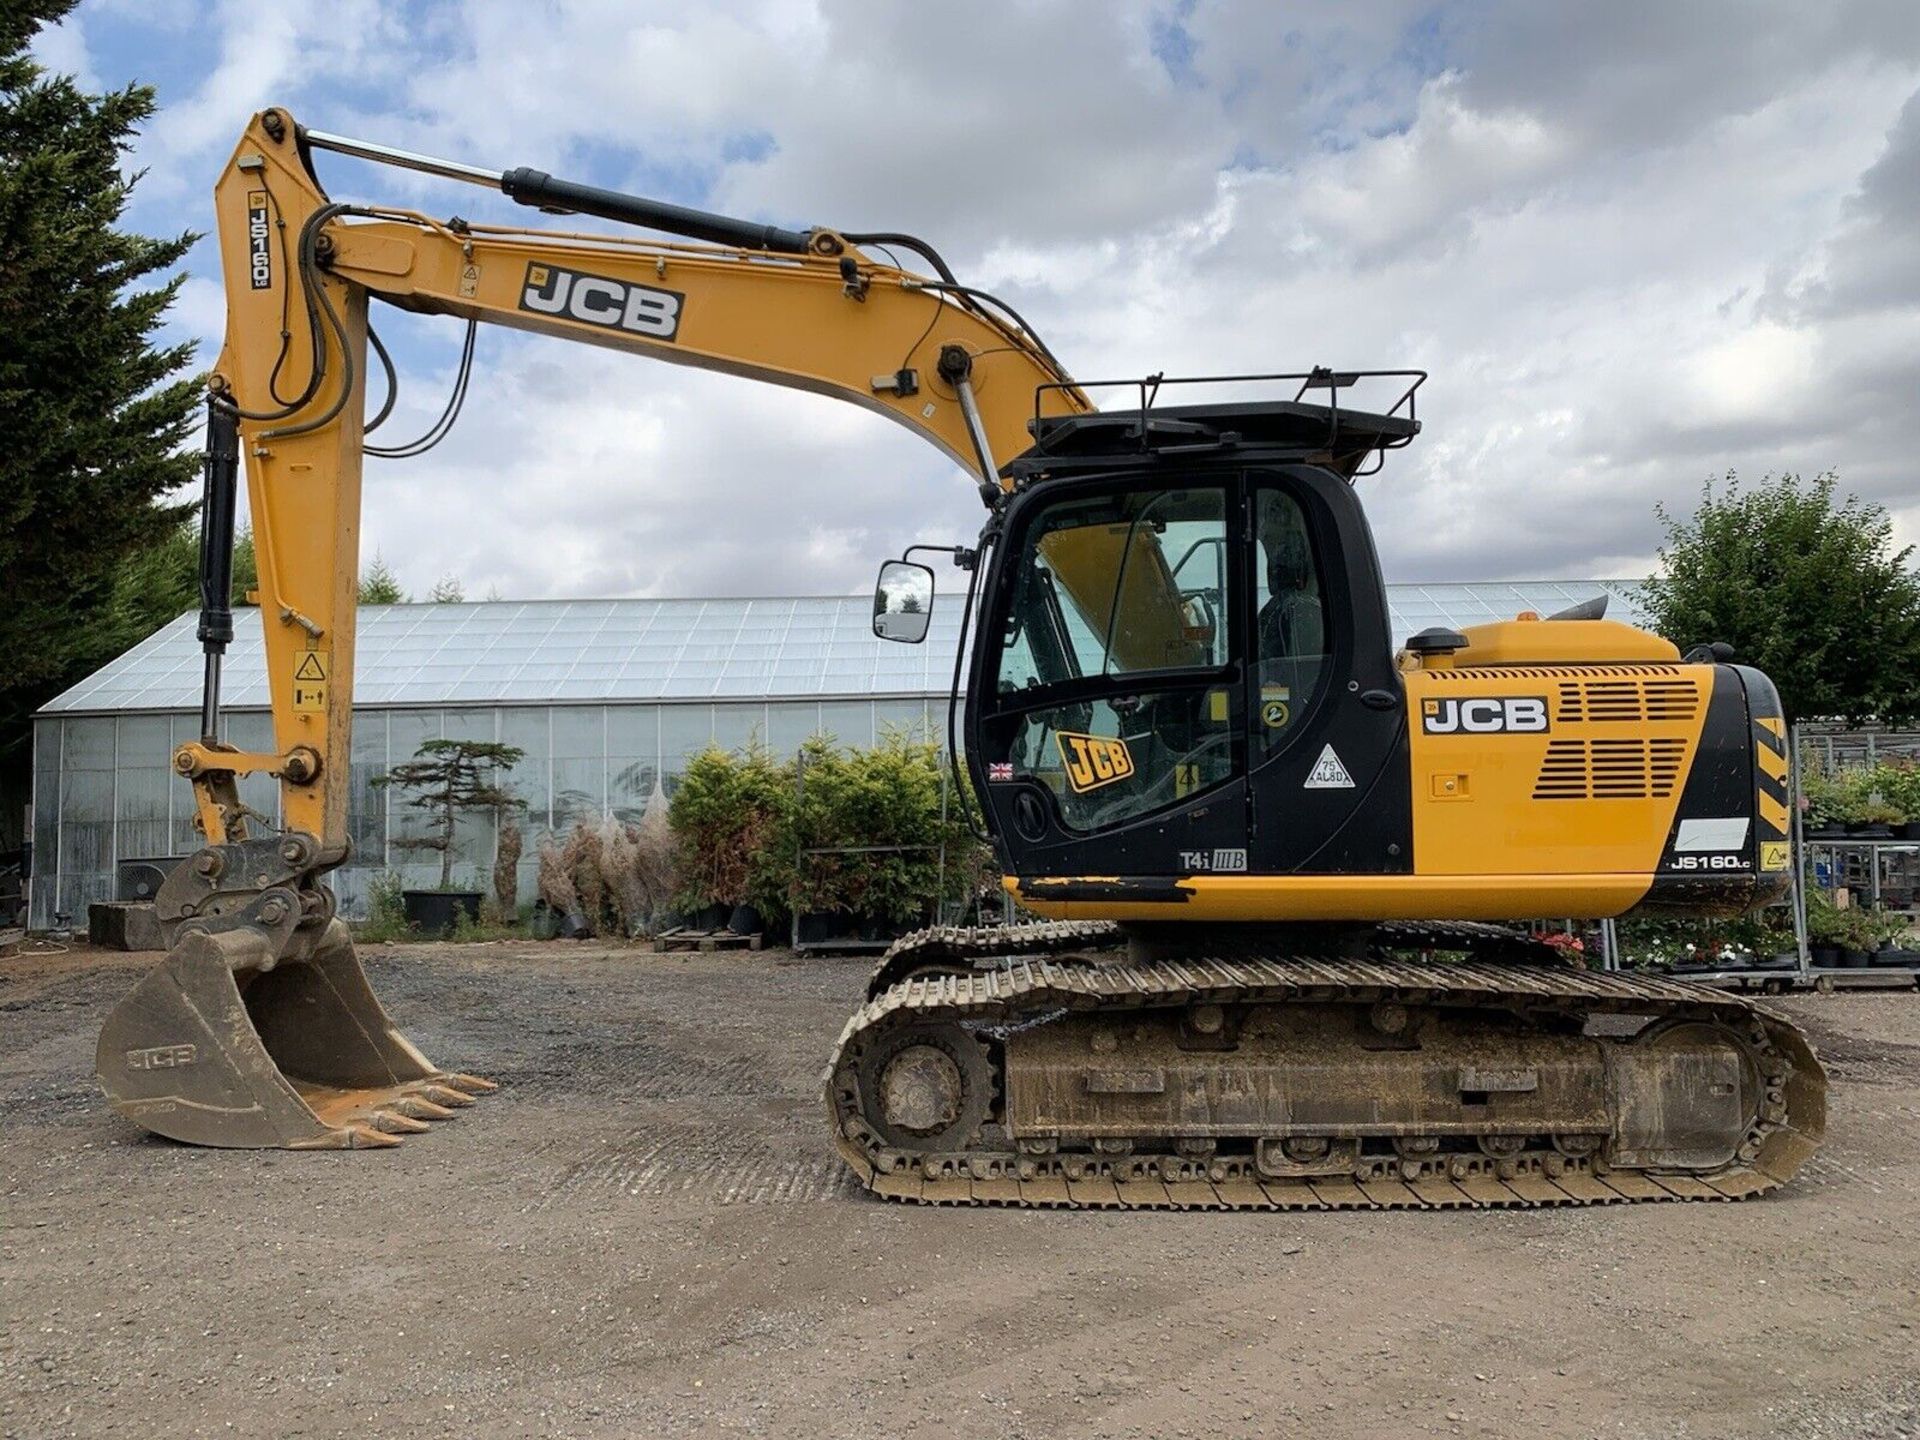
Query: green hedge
x,y
741,820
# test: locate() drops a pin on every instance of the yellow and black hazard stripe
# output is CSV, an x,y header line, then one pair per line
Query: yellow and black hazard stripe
x,y
1770,763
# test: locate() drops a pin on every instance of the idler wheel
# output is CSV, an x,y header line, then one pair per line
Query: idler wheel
x,y
926,1087
921,1090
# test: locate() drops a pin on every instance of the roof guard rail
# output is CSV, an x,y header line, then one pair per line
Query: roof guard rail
x,y
1320,377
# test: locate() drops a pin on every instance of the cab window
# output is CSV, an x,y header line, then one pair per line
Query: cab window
x,y
1111,586
1291,641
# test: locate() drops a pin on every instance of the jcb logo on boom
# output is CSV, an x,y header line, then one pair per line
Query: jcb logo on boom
x,y
1486,716
1093,760
575,295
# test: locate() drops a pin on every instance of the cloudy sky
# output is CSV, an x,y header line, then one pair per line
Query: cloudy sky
x,y
1637,245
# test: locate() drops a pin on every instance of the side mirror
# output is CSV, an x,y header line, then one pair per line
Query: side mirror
x,y
903,602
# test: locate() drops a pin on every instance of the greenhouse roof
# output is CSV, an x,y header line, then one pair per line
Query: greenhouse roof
x,y
545,651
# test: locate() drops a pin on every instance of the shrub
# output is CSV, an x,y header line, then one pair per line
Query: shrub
x,y
555,883
386,909
450,777
506,870
884,797
724,815
586,868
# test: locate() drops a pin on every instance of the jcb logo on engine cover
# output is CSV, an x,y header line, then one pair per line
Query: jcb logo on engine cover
x,y
1093,760
1523,715
596,300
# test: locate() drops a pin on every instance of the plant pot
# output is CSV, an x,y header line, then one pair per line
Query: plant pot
x,y
1895,956
1872,831
1825,955
434,912
745,920
875,928
545,925
1910,830
825,927
1826,830
713,917
574,926
1776,962
1856,959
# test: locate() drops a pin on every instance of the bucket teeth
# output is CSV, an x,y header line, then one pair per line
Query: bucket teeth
x,y
446,1095
418,1107
347,1137
390,1122
472,1084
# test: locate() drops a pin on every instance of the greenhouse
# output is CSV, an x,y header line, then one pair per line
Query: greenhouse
x,y
608,699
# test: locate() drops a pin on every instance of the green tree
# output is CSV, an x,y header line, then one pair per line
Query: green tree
x,y
447,590
1807,587
379,585
95,414
450,777
162,582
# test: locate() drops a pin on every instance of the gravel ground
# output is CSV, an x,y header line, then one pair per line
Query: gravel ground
x,y
646,1233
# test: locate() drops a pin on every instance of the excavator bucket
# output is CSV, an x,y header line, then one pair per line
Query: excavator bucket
x,y
224,1045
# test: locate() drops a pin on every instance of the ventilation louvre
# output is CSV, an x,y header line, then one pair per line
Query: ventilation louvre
x,y
1610,770
1627,701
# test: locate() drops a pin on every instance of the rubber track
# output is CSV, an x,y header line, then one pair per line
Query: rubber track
x,y
1029,988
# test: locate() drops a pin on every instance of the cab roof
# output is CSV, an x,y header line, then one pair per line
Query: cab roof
x,y
1332,435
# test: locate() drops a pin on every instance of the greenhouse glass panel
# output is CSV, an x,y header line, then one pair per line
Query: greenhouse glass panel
x,y
579,789
633,733
849,723
685,730
735,727
579,731
790,726
89,743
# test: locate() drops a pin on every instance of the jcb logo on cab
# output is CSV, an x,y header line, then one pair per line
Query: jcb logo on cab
x,y
1522,715
1093,760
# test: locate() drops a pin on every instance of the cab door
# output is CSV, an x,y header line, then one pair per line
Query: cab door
x,y
1110,735
1327,743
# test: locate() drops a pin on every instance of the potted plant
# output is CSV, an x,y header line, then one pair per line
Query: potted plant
x,y
1825,931
1899,783
724,815
1890,936
559,894
1875,819
1857,937
1824,801
873,849
449,778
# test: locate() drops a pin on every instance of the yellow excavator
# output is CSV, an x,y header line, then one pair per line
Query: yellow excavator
x,y
1277,857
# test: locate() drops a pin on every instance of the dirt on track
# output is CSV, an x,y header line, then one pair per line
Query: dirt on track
x,y
646,1232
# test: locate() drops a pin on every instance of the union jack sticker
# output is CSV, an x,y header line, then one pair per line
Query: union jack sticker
x,y
1000,770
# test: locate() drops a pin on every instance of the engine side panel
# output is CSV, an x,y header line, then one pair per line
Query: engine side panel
x,y
1552,770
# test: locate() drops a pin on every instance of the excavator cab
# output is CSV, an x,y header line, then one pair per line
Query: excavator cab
x,y
1183,625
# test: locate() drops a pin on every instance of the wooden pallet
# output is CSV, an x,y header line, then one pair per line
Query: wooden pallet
x,y
684,938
